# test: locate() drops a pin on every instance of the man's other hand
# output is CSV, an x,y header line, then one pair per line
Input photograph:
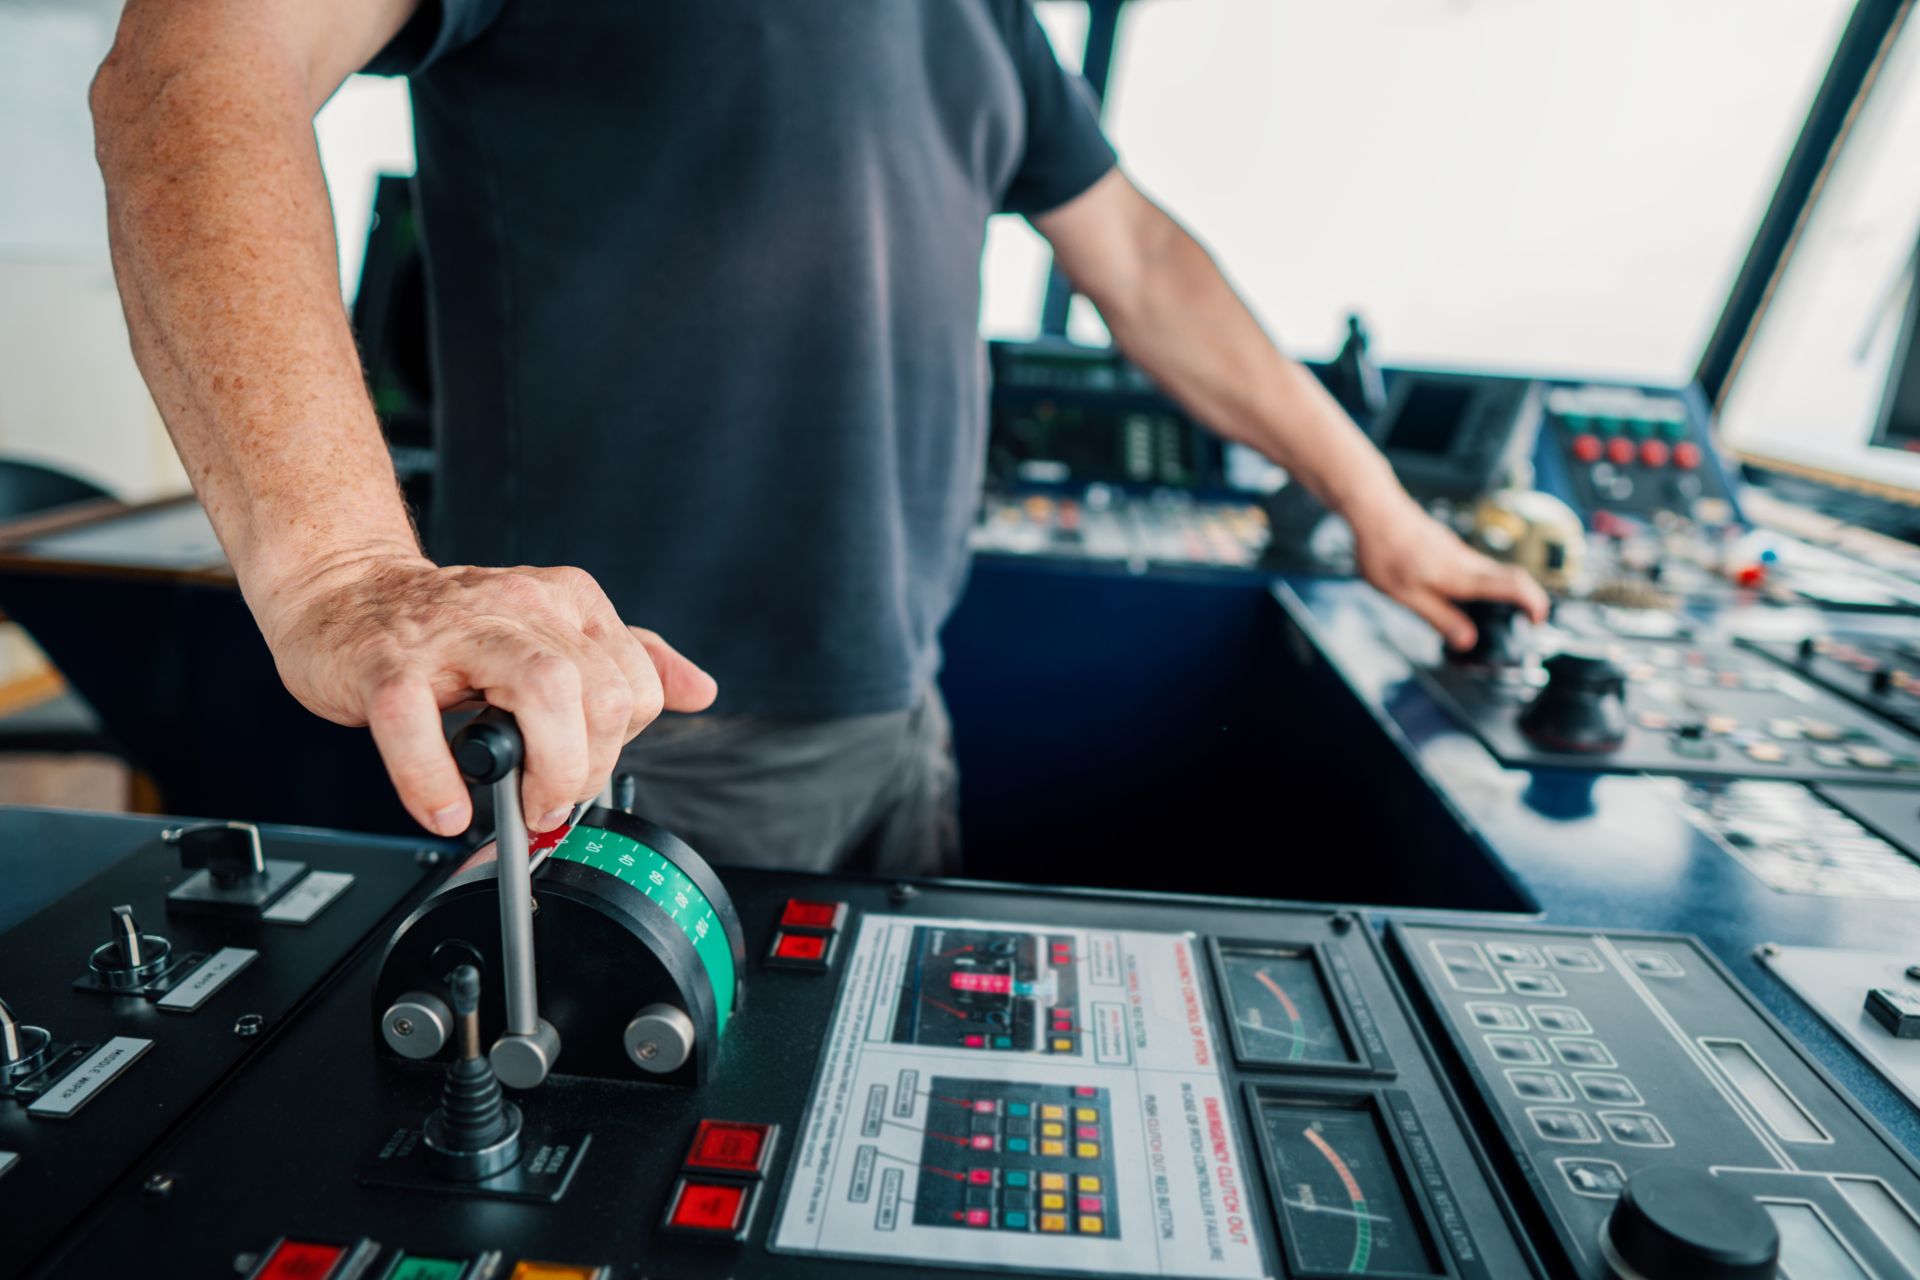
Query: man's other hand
x,y
1421,563
393,641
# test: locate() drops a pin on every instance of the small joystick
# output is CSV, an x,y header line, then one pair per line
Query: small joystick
x,y
1583,707
475,1132
1673,1223
1495,643
129,959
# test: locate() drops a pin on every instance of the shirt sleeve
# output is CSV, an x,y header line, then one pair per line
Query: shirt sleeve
x,y
1066,152
436,29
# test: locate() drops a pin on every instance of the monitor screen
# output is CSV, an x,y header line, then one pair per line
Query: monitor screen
x,y
1832,347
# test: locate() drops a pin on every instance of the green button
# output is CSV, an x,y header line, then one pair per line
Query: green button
x,y
1675,429
1642,427
1016,1220
1016,1144
1003,1042
1016,1177
1017,1109
411,1268
1606,426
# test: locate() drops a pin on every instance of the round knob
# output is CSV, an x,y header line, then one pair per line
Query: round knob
x,y
417,1025
130,958
1684,1224
23,1049
659,1039
1494,642
1583,707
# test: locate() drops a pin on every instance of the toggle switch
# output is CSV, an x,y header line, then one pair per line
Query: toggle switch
x,y
23,1049
129,959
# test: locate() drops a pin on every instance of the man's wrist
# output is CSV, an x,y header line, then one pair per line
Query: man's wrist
x,y
275,583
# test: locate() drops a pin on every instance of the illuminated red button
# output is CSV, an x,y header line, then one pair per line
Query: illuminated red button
x,y
299,1260
980,1177
1084,1091
1620,451
974,1041
716,1210
979,1218
1653,453
730,1146
801,950
1686,455
1587,448
822,916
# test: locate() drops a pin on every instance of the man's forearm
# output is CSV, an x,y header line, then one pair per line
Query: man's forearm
x,y
223,246
1176,316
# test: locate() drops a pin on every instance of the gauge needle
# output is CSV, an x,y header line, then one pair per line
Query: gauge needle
x,y
1277,1031
1338,1213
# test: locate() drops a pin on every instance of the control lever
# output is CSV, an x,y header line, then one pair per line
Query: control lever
x,y
475,1132
489,752
23,1049
233,873
129,959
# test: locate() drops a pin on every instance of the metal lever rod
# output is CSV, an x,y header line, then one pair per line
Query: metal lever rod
x,y
127,934
489,750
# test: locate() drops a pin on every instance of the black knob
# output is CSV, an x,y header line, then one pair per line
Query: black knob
x,y
1806,649
1583,707
1494,641
1685,1224
230,851
1881,681
129,958
487,747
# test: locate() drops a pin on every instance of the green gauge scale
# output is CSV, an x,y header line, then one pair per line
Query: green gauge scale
x,y
637,947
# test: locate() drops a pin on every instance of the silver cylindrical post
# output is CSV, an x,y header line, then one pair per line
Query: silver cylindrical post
x,y
516,907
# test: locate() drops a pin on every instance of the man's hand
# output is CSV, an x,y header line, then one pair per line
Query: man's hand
x,y
1419,562
391,641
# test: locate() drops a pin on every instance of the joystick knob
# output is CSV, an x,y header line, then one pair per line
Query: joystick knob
x,y
1583,707
1684,1224
475,1132
1494,641
129,959
23,1049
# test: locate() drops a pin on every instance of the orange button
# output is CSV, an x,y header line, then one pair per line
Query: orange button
x,y
530,1270
1653,453
1587,448
1686,455
1620,451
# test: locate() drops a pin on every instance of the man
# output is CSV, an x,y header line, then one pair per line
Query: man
x,y
705,281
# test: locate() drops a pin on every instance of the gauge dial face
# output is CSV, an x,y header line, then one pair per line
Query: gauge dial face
x,y
1343,1195
1281,1009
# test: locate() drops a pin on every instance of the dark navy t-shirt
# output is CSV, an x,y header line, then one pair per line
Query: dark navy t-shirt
x,y
705,280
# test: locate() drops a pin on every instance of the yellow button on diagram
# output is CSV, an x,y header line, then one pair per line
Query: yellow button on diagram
x,y
1053,1182
1088,1183
1088,1151
1090,1225
1053,1202
1053,1131
1050,1112
1053,1222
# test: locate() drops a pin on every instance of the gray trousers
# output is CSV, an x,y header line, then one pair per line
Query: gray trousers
x,y
873,793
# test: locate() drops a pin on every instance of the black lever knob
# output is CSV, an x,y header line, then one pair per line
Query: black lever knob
x,y
1685,1224
1495,643
487,747
129,958
1583,707
23,1049
230,851
475,1133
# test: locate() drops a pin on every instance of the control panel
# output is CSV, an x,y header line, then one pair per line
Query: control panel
x,y
781,1075
1110,526
1630,451
1614,1061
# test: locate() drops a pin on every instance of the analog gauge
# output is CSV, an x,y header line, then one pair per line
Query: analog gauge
x,y
1343,1196
1281,1009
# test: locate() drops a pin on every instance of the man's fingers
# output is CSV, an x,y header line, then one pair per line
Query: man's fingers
x,y
405,719
1454,626
545,693
684,686
1490,580
608,699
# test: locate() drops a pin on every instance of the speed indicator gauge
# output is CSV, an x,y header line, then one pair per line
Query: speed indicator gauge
x,y
1345,1200
1280,1009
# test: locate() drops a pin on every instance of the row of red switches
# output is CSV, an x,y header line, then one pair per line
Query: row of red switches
x,y
713,1199
807,935
1621,452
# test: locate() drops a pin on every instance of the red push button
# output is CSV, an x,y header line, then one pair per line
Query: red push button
x,y
730,1146
1686,455
801,950
1587,448
300,1260
1620,451
824,917
710,1210
1653,453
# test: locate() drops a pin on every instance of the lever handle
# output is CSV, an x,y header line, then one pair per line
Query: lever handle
x,y
489,751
